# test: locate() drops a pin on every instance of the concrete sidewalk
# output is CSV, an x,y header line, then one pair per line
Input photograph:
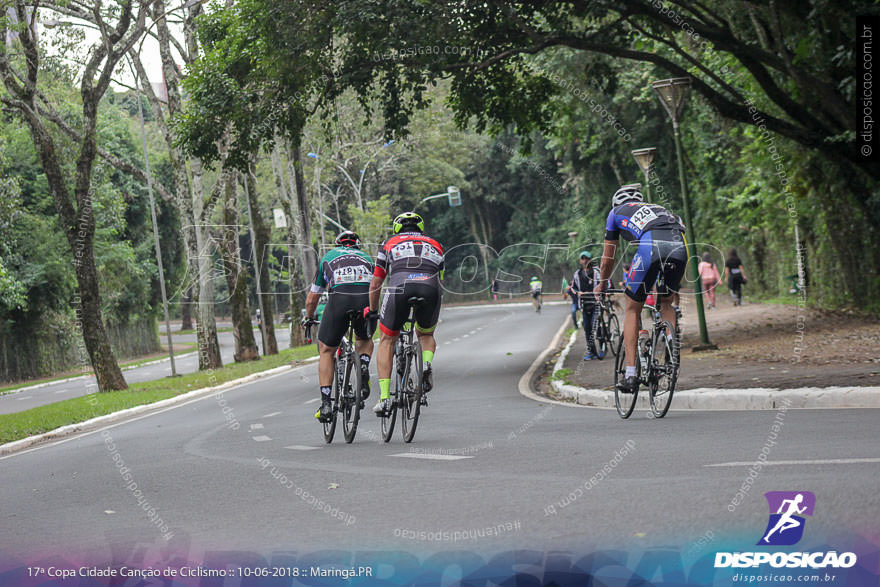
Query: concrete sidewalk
x,y
702,398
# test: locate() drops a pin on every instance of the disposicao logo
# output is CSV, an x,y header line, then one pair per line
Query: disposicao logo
x,y
786,528
786,524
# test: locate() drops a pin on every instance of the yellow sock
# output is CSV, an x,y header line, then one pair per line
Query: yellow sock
x,y
384,385
427,356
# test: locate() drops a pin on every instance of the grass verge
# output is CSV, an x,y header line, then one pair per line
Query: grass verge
x,y
44,418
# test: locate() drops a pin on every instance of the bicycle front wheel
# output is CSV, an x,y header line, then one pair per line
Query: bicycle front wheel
x,y
330,425
411,400
351,399
664,367
600,334
624,402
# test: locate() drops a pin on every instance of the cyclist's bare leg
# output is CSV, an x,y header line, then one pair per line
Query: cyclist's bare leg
x,y
667,310
325,364
364,347
385,354
426,340
631,329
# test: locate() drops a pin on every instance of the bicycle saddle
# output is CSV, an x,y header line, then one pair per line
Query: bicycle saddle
x,y
415,301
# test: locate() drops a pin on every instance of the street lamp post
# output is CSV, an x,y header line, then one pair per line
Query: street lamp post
x,y
452,193
672,93
645,160
155,223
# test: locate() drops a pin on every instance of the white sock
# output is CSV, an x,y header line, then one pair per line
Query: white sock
x,y
669,337
630,371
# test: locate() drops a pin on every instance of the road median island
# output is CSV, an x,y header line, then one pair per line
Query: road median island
x,y
181,350
764,360
22,429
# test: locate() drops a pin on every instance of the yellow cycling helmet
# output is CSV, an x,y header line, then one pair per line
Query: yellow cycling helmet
x,y
406,219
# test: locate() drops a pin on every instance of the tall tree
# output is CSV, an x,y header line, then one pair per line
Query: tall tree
x,y
120,29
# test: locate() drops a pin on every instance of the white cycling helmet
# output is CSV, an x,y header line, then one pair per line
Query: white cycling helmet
x,y
627,193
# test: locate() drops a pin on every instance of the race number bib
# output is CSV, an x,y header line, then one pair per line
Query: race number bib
x,y
351,274
642,217
431,254
403,250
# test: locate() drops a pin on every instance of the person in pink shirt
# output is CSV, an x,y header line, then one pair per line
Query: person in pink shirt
x,y
709,276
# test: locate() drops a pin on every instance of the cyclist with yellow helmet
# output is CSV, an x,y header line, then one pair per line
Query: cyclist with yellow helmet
x,y
413,264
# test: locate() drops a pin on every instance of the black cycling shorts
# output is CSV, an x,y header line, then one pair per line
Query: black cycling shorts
x,y
536,293
334,322
395,310
658,249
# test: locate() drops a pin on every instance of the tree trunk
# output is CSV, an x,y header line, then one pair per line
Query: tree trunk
x,y
295,256
186,322
200,264
236,279
79,226
262,237
190,204
302,213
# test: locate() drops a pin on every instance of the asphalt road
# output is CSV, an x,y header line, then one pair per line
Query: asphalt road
x,y
484,456
32,397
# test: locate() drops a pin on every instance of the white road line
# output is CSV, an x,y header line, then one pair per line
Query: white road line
x,y
302,447
261,438
178,403
272,414
61,391
432,457
256,426
313,400
21,398
803,462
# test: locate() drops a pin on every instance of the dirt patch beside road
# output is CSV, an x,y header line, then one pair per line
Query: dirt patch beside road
x,y
762,345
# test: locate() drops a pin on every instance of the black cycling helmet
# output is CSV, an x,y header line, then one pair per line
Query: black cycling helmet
x,y
409,220
348,238
627,193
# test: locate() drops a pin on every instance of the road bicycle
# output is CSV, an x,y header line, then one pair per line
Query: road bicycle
x,y
657,364
606,327
408,395
345,395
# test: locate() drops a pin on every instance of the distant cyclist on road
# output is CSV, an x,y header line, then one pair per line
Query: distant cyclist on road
x,y
413,263
536,287
661,247
345,271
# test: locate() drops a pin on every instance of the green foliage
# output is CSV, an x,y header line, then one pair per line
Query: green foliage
x,y
374,222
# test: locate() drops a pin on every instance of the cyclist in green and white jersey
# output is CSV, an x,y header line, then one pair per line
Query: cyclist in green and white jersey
x,y
345,271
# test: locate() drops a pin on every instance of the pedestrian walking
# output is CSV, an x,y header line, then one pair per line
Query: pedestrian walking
x,y
735,275
710,277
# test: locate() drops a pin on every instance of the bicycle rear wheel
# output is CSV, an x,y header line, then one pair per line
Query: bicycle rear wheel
x,y
624,402
664,366
411,399
351,398
614,333
330,426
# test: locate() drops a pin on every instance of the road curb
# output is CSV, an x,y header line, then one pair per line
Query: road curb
x,y
121,415
706,398
525,382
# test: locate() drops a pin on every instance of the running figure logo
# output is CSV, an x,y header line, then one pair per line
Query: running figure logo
x,y
786,525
